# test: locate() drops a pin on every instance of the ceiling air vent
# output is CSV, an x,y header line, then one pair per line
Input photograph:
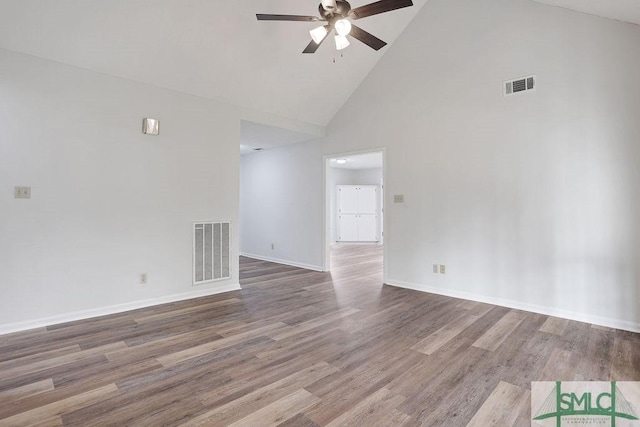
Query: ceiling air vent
x,y
523,84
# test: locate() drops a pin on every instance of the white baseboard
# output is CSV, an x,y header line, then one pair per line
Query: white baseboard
x,y
356,243
534,308
283,261
114,309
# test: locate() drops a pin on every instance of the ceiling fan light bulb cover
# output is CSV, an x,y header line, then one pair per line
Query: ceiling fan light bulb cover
x,y
341,42
318,34
343,27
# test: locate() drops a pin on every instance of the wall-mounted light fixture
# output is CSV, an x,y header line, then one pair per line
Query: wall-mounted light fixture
x,y
151,126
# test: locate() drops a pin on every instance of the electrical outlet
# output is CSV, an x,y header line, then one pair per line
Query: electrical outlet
x,y
436,268
143,278
443,269
21,192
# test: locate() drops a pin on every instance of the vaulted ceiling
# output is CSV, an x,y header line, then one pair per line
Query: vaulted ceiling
x,y
217,49
211,48
621,10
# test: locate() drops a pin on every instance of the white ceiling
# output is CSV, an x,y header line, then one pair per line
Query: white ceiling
x,y
218,50
359,161
622,10
211,48
264,137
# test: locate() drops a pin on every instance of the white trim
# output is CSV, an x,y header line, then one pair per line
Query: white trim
x,y
282,261
326,207
378,243
534,308
326,245
114,309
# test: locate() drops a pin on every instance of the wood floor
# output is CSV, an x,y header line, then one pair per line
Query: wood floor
x,y
301,348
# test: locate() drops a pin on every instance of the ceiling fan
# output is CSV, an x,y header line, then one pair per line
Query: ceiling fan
x,y
338,16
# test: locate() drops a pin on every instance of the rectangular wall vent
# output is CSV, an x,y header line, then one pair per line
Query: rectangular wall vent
x,y
523,84
211,253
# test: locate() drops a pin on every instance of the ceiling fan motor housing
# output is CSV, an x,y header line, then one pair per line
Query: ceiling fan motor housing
x,y
328,5
338,10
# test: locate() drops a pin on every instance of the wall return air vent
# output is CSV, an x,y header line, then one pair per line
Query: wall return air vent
x,y
520,85
211,253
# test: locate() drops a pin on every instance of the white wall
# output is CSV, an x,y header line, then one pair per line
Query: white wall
x,y
372,176
531,201
281,202
339,176
108,203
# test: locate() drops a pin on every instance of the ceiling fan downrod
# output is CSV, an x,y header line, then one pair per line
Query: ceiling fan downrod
x,y
329,5
333,10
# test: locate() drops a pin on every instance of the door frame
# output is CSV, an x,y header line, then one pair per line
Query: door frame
x,y
326,171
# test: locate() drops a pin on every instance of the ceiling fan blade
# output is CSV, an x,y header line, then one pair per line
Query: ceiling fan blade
x,y
378,7
313,46
367,38
301,18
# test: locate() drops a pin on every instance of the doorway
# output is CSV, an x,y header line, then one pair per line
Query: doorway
x,y
354,205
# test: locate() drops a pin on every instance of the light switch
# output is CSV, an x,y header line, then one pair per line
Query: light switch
x,y
22,192
398,198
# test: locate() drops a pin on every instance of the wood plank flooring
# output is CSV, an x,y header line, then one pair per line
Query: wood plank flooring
x,y
301,348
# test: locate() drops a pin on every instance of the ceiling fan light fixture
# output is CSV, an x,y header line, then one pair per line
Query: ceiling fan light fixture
x,y
318,34
341,42
337,16
343,27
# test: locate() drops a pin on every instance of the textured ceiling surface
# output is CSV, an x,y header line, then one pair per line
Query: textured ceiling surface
x,y
622,10
210,48
256,136
358,161
218,50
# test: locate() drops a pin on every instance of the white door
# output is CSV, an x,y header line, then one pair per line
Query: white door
x,y
368,228
348,227
367,199
358,213
347,199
